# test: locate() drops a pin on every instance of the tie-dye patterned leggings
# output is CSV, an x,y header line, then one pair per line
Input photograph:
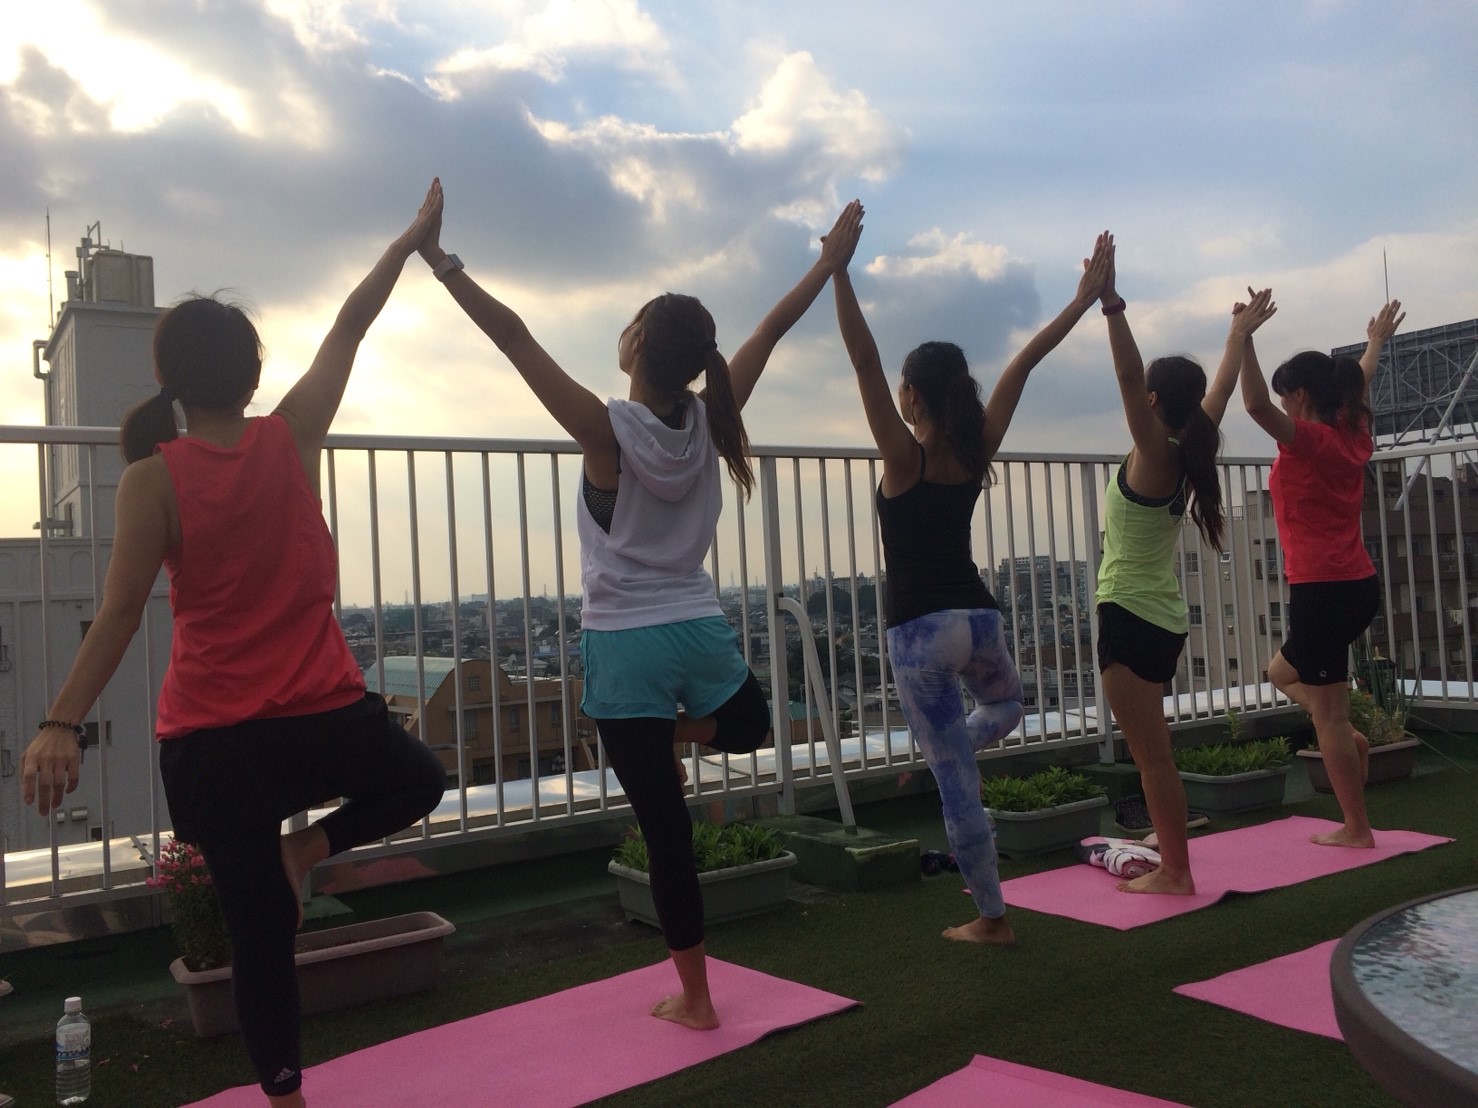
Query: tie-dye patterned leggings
x,y
930,657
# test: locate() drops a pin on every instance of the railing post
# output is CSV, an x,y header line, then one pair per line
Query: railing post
x,y
1093,544
775,627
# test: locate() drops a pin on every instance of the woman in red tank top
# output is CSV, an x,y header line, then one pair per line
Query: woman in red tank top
x,y
1323,432
263,712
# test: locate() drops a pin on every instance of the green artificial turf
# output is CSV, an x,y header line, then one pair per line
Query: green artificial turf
x,y
1071,997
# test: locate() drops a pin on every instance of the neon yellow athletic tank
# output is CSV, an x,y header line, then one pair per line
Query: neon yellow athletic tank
x,y
1138,570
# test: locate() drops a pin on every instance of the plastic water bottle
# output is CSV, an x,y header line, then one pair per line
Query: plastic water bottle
x,y
73,1054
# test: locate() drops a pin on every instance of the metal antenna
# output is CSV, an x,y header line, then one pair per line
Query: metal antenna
x,y
50,298
1386,272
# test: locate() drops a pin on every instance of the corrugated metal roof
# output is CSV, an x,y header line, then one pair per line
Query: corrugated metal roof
x,y
400,675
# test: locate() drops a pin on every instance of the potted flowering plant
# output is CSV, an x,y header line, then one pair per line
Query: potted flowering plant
x,y
337,967
194,911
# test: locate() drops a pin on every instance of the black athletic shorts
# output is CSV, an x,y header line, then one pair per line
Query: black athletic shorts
x,y
1324,618
1151,652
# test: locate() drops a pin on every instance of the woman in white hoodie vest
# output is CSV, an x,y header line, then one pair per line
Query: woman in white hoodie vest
x,y
654,636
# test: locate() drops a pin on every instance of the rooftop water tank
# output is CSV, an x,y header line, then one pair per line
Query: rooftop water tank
x,y
111,276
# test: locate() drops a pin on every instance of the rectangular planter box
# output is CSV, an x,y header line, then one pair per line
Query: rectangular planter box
x,y
1235,792
337,968
1388,762
727,893
1022,833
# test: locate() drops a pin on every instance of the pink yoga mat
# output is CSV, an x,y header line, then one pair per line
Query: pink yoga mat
x,y
1244,860
566,1049
1008,1085
1291,991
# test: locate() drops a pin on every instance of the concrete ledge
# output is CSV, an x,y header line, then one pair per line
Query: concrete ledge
x,y
837,857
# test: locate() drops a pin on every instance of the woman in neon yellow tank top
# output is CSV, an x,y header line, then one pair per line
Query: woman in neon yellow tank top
x,y
1173,419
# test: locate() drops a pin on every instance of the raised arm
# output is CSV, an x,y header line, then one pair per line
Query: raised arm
x,y
1007,394
579,411
1255,397
899,448
1145,427
50,765
750,359
1378,332
310,405
1246,318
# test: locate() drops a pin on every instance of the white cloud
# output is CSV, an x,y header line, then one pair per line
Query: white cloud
x,y
118,79
941,253
800,139
134,82
328,25
543,39
798,108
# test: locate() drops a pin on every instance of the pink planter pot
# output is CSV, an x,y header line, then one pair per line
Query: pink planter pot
x,y
338,967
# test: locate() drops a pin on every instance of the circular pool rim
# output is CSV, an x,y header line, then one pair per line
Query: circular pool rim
x,y
1405,1067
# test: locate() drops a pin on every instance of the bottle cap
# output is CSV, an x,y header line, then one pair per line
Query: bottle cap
x,y
73,1004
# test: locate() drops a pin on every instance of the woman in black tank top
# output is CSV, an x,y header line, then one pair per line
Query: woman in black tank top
x,y
944,627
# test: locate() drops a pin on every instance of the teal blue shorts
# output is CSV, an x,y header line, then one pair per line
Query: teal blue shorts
x,y
647,672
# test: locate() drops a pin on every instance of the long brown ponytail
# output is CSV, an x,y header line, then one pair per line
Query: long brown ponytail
x,y
207,355
941,375
678,345
1180,385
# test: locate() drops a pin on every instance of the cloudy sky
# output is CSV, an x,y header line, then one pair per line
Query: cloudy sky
x,y
597,152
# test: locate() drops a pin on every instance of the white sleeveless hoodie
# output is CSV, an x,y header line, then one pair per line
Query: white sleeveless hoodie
x,y
649,570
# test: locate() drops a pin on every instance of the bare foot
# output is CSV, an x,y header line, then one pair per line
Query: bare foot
x,y
992,932
1161,881
677,1009
1345,837
301,850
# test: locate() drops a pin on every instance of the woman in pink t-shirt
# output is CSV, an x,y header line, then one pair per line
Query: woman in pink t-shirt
x,y
263,712
1318,489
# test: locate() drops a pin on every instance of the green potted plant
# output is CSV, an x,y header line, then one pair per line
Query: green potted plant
x,y
742,870
1044,811
1392,749
337,967
1234,776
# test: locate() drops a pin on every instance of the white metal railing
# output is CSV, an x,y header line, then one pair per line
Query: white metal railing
x,y
427,520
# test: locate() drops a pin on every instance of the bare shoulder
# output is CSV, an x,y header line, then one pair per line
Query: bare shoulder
x,y
146,476
146,497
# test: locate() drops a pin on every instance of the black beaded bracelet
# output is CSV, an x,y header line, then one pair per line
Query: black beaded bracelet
x,y
76,728
1116,308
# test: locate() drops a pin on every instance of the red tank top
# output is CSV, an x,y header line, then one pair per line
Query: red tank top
x,y
252,588
1318,487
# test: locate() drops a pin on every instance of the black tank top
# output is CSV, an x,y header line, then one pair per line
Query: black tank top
x,y
926,549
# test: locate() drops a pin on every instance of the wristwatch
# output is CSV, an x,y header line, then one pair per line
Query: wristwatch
x,y
450,264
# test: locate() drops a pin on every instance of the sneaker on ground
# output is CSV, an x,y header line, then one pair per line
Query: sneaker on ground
x,y
1133,818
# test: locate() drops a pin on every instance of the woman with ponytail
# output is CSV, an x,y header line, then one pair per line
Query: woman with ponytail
x,y
662,665
944,627
1318,490
263,712
1142,618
